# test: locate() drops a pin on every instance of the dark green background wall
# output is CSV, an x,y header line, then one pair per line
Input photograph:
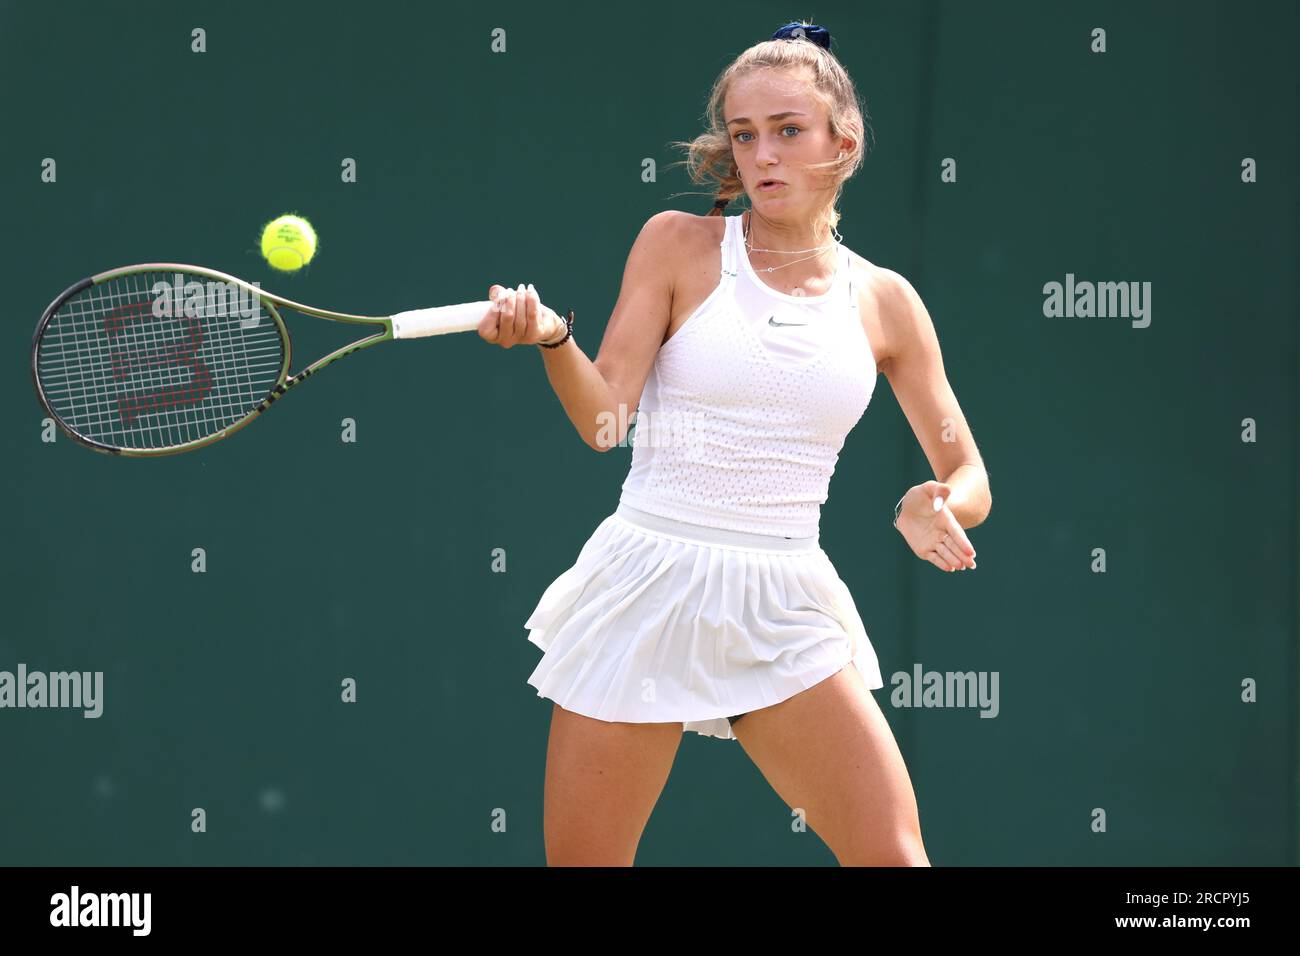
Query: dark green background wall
x,y
327,560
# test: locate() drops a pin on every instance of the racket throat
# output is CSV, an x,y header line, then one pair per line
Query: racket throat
x,y
281,387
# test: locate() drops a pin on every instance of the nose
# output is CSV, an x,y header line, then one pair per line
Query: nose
x,y
765,150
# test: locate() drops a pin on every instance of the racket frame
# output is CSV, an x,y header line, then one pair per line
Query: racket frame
x,y
270,302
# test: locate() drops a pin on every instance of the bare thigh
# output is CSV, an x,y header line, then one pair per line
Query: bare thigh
x,y
602,780
830,751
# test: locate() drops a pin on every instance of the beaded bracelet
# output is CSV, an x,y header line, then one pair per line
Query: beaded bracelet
x,y
568,322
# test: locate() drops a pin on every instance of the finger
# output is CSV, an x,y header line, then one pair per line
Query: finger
x,y
534,312
547,321
949,556
509,303
487,327
521,313
963,558
957,533
498,315
544,326
943,554
937,561
509,306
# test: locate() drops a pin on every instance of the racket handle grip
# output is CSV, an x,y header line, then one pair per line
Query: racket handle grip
x,y
446,318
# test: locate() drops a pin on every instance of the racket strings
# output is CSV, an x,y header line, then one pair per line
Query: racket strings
x,y
132,364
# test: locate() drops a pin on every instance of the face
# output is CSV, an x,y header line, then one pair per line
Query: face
x,y
776,126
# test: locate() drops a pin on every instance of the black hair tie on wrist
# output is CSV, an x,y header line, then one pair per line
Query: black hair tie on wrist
x,y
808,31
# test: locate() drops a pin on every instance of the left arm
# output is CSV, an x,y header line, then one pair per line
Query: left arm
x,y
914,367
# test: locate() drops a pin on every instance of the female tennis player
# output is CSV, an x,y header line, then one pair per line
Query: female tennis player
x,y
751,343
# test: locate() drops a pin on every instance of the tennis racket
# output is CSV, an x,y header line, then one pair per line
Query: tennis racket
x,y
160,358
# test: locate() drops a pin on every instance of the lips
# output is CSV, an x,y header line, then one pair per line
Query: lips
x,y
771,184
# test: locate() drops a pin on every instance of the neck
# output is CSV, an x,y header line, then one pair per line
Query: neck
x,y
784,237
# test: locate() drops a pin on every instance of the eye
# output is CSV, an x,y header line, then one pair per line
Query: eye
x,y
796,129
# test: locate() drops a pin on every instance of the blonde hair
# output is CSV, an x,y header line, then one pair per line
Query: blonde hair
x,y
709,157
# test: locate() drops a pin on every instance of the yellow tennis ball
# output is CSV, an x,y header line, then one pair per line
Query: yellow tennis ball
x,y
288,243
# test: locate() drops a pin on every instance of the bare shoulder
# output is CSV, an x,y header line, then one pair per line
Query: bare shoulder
x,y
691,232
677,229
673,239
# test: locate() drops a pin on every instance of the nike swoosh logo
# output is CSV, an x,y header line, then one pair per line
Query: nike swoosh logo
x,y
771,320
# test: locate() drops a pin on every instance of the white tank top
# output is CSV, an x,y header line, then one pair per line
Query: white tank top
x,y
747,406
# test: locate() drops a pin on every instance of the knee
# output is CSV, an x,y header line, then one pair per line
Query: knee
x,y
910,851
560,853
580,844
586,860
899,849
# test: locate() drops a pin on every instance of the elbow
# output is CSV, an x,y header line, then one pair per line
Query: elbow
x,y
603,440
974,510
611,430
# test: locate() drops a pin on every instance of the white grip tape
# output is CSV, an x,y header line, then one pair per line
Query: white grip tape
x,y
445,318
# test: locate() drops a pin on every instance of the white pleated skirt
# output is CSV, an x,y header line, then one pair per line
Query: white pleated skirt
x,y
659,620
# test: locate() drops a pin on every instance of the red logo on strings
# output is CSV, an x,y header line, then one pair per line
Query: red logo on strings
x,y
131,359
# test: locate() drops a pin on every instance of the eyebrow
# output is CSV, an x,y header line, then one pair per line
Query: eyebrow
x,y
774,116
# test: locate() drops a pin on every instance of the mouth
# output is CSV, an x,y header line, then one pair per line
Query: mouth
x,y
767,184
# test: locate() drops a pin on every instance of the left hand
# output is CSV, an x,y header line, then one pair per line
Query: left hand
x,y
934,535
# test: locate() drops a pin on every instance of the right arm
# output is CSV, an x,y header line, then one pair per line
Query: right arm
x,y
592,393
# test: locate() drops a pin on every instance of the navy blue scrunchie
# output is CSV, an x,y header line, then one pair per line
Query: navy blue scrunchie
x,y
819,35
